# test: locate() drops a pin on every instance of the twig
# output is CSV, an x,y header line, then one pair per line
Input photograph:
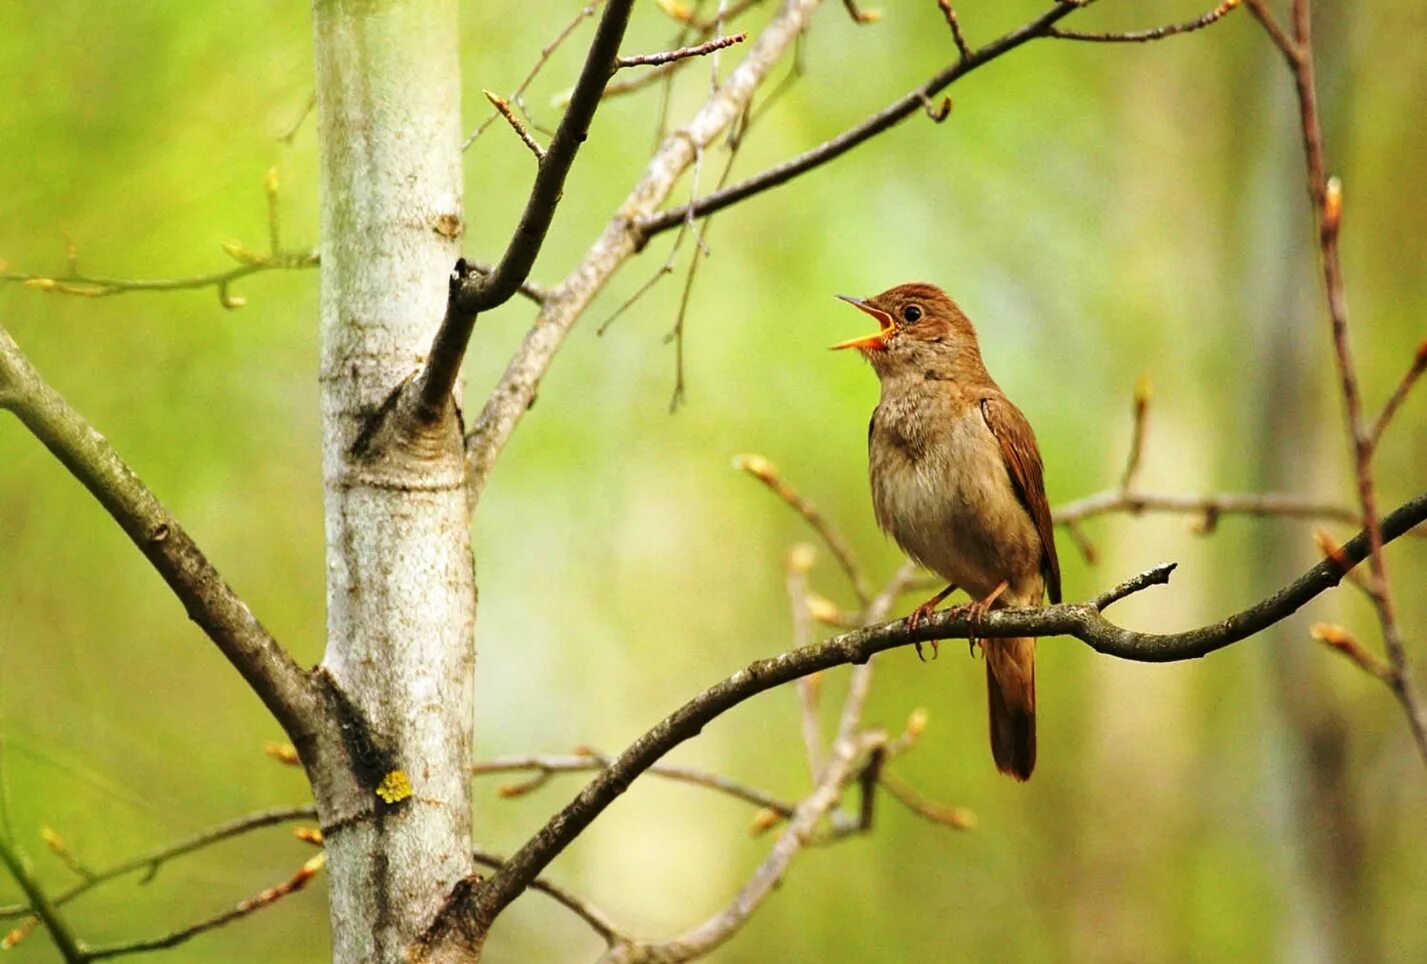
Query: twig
x,y
1156,33
153,860
859,15
764,471
502,107
1140,426
473,294
1399,394
949,12
583,762
598,920
482,903
63,854
899,110
1337,638
19,867
957,818
283,686
683,53
1286,44
92,286
243,908
799,560
585,12
1226,503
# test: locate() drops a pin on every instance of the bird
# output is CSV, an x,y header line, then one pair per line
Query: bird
x,y
958,483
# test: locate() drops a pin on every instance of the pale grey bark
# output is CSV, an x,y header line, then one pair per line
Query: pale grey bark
x,y
400,580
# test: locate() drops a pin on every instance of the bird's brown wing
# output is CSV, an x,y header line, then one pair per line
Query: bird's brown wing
x,y
1023,462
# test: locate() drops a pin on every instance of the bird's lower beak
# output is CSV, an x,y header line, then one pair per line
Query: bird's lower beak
x,y
876,340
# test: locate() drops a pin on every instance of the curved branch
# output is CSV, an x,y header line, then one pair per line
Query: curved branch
x,y
271,673
1081,620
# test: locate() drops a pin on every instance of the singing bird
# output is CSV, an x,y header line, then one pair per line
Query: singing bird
x,y
957,481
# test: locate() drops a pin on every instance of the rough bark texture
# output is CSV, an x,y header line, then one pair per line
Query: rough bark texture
x,y
400,582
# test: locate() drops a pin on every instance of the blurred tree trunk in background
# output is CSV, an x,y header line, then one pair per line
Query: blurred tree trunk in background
x,y
400,579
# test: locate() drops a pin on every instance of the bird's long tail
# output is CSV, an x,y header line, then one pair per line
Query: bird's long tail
x,y
1011,696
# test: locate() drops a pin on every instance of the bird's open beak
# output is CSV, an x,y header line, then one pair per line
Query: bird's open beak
x,y
877,340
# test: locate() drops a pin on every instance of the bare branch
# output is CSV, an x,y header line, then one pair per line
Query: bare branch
x,y
474,293
585,12
798,561
19,867
1226,503
516,389
765,472
1143,393
859,15
683,53
837,774
152,861
1399,394
894,113
1325,196
485,900
957,818
1290,49
243,908
583,762
502,107
1156,33
1337,638
282,685
949,12
598,920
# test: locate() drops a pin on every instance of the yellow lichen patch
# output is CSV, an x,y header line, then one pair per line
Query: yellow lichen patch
x,y
395,787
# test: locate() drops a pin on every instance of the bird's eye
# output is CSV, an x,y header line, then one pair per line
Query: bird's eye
x,y
911,314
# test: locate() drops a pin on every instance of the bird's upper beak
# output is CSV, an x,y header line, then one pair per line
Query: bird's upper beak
x,y
875,340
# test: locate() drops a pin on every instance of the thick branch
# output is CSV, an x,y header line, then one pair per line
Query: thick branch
x,y
894,113
1082,620
281,684
481,292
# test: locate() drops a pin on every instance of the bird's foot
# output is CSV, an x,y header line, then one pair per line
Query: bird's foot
x,y
975,611
919,616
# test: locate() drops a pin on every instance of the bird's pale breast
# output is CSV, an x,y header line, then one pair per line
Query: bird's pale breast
x,y
944,494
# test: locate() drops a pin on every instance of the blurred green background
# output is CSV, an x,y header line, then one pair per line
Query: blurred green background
x,y
1100,212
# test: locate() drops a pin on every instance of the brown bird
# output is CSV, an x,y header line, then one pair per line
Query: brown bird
x,y
957,481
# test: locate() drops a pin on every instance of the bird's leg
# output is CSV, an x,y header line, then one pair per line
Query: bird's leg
x,y
978,608
922,612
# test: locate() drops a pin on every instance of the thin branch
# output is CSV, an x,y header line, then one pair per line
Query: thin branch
x,y
957,818
764,471
483,901
585,13
1139,429
598,920
502,107
1286,44
1156,33
860,16
1221,504
546,764
93,286
894,113
957,37
797,563
283,686
513,394
151,862
1399,394
1338,639
243,908
1325,196
683,53
797,835
18,865
476,293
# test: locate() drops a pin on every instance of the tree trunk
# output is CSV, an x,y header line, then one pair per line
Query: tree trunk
x,y
400,580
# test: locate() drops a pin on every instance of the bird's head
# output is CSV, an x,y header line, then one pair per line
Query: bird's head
x,y
919,328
